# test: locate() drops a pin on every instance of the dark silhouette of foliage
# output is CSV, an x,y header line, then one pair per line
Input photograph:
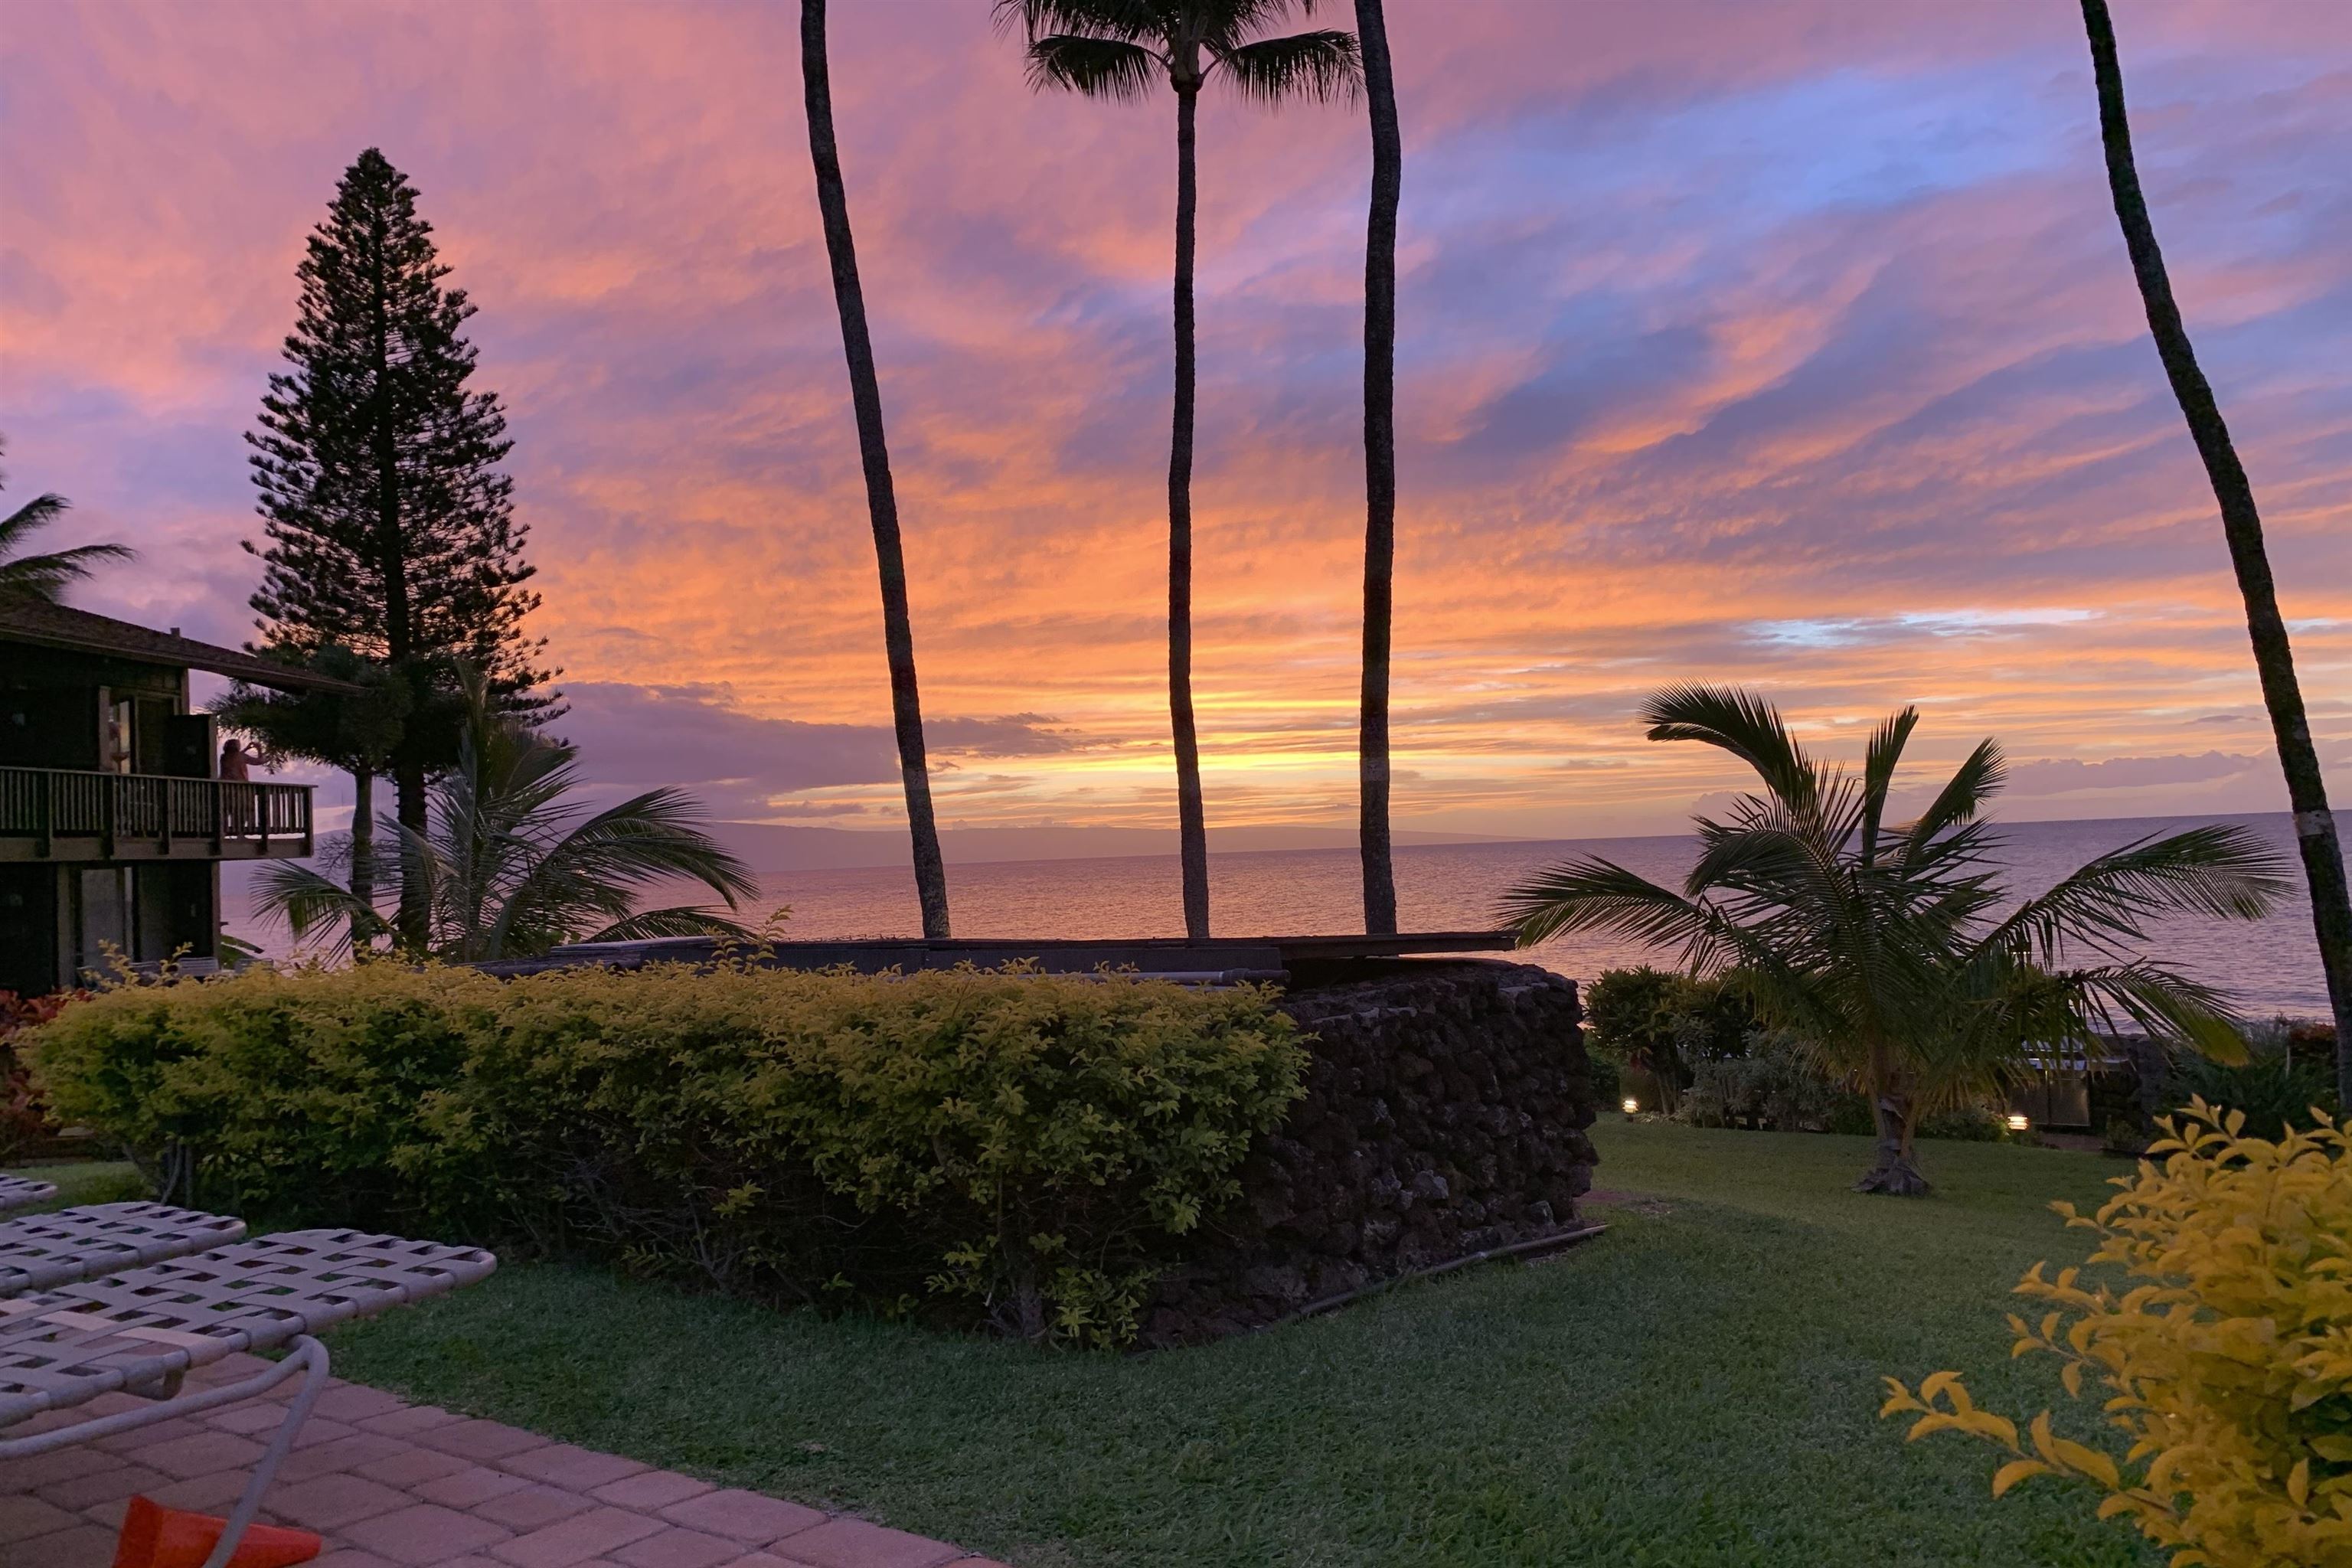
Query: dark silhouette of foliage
x,y
390,527
46,576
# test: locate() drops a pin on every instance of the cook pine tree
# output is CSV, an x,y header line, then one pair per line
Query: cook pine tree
x,y
390,526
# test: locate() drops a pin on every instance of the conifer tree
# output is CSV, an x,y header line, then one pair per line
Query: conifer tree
x,y
391,528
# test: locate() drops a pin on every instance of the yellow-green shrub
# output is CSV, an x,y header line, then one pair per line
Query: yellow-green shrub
x,y
1020,1147
298,1093
2227,1361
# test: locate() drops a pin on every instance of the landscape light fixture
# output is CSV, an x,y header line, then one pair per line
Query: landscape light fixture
x,y
1632,1105
2017,1122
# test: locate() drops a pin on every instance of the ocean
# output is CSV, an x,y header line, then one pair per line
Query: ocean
x,y
2271,966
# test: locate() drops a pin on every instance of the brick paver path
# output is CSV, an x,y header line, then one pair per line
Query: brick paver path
x,y
393,1484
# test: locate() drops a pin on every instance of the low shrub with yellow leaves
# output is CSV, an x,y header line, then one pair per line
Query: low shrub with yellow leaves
x,y
1023,1151
2226,1361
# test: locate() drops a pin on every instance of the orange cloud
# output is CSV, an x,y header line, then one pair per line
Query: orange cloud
x,y
1714,325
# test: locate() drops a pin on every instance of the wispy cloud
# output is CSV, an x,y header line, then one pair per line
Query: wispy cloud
x,y
1791,345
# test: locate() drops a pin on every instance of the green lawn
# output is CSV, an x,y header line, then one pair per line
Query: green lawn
x,y
1698,1387
85,1182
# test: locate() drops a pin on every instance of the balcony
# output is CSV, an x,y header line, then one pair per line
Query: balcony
x,y
52,814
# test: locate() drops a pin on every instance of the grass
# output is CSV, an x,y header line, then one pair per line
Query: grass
x,y
84,1182
1696,1389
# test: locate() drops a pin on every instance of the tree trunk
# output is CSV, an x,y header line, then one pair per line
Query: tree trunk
x,y
413,917
1192,822
2242,526
1380,467
364,925
1893,1169
881,499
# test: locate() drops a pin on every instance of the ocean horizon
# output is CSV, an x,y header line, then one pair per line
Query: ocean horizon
x,y
2271,966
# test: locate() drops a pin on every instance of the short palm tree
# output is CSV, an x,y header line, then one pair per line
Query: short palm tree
x,y
510,867
1118,50
45,577
1893,951
2242,530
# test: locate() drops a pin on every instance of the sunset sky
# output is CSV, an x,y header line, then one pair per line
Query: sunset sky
x,y
1787,343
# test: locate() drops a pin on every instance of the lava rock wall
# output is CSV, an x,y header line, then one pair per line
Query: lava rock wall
x,y
1445,1115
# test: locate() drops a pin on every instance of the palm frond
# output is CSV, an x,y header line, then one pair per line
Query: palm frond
x,y
2164,1003
1740,722
47,576
1878,775
307,901
655,837
1128,21
30,519
1600,895
1324,66
1097,67
1976,781
677,920
2219,870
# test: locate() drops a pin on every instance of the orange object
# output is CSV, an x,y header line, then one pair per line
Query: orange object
x,y
154,1536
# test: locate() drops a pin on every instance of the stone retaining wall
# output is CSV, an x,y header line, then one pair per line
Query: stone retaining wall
x,y
1445,1115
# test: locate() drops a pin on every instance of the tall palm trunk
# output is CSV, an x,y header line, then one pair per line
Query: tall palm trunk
x,y
2242,526
1380,467
1192,822
881,500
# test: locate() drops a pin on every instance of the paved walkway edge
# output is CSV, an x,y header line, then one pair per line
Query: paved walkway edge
x,y
394,1485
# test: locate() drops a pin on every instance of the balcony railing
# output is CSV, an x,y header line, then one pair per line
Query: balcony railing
x,y
56,813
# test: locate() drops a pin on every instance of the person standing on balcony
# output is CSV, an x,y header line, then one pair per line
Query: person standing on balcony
x,y
240,808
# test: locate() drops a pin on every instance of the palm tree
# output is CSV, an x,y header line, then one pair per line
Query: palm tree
x,y
1380,466
508,866
1116,49
2241,527
1885,948
45,577
881,497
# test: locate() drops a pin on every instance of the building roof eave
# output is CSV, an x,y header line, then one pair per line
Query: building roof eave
x,y
39,624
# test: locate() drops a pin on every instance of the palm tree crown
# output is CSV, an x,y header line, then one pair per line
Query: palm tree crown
x,y
1118,48
45,577
1894,949
510,867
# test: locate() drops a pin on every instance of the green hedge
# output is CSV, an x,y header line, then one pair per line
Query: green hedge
x,y
1017,1149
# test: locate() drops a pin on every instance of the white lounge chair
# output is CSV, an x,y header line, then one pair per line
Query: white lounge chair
x,y
43,1251
142,1330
